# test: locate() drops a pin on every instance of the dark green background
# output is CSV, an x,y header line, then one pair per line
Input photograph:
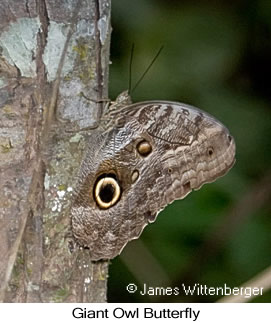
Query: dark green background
x,y
217,57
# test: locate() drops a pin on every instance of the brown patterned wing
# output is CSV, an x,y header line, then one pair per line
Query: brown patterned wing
x,y
155,153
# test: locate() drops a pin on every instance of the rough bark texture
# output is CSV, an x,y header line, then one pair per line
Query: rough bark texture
x,y
50,53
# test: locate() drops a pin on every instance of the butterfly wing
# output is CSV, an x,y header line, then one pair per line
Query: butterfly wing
x,y
156,152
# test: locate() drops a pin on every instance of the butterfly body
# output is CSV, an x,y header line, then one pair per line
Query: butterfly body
x,y
149,155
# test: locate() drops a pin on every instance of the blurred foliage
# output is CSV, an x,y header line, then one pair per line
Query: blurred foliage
x,y
217,57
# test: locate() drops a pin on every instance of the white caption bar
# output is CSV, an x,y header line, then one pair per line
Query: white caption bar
x,y
144,312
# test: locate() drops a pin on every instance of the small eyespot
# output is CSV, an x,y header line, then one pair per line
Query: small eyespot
x,y
144,148
169,170
210,151
229,138
134,176
107,192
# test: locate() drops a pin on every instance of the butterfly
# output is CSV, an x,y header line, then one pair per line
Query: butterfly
x,y
145,156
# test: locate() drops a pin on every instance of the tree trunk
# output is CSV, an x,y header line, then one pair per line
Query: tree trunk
x,y
51,52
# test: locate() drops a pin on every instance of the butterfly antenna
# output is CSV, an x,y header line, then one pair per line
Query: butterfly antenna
x,y
130,68
147,69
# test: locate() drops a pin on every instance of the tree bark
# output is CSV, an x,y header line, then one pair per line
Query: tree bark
x,y
50,53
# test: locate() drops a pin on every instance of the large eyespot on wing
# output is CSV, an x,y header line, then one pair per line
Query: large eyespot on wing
x,y
107,191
